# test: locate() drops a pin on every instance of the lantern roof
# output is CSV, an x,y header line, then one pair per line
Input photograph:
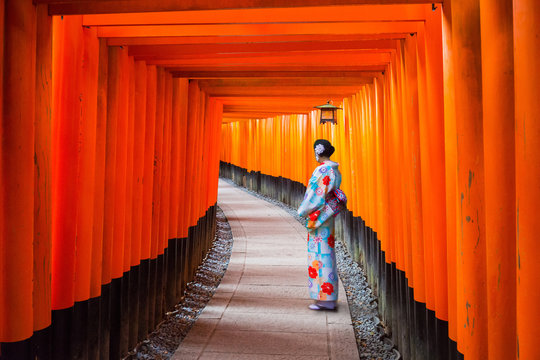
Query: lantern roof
x,y
327,106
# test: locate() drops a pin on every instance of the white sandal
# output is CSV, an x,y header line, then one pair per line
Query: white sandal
x,y
321,306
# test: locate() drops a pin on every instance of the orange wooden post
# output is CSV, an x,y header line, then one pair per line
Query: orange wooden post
x,y
175,160
17,175
148,176
88,74
42,173
100,168
146,277
527,80
138,160
166,169
193,120
67,57
136,157
156,273
418,278
121,161
179,117
199,170
205,152
131,129
451,176
113,92
158,161
499,157
434,87
470,178
182,99
217,129
426,176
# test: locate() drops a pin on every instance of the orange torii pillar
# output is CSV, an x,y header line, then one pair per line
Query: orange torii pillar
x,y
472,302
129,295
42,183
119,61
154,306
113,93
527,80
180,107
67,61
454,271
190,178
435,119
148,174
172,231
87,96
97,314
163,234
136,293
499,157
18,71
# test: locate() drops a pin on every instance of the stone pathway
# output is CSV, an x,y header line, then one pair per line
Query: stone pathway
x,y
259,310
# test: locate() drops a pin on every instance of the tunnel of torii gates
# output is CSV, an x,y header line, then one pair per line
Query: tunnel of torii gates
x,y
117,117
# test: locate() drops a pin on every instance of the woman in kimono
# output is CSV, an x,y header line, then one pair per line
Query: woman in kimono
x,y
322,268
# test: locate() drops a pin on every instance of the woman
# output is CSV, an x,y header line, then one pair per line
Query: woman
x,y
322,269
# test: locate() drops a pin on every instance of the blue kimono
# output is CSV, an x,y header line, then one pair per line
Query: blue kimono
x,y
322,267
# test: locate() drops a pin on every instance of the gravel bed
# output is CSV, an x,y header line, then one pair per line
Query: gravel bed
x,y
163,342
371,338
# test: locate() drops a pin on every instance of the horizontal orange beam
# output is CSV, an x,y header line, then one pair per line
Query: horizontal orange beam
x,y
278,102
221,74
276,39
300,60
280,82
258,115
281,91
259,29
147,51
291,108
71,7
245,16
165,57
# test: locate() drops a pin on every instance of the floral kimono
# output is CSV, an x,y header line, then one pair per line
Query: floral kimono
x,y
322,268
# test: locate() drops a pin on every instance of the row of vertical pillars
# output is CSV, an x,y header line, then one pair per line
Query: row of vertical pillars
x,y
109,175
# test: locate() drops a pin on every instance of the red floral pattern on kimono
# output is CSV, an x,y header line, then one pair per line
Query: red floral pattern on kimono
x,y
331,241
327,288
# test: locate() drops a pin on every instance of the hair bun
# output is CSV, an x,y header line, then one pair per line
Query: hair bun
x,y
321,144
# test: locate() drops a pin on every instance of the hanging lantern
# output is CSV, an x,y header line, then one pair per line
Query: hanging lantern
x,y
328,112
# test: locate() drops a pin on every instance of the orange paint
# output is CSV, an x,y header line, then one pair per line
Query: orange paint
x,y
88,78
100,169
471,236
527,113
139,122
42,173
500,183
67,60
121,62
148,171
17,150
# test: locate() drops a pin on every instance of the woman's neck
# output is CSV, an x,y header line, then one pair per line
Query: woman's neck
x,y
323,159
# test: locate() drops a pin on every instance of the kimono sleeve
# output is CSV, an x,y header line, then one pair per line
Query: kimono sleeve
x,y
321,183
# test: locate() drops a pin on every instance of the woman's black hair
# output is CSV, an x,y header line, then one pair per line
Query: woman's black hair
x,y
327,148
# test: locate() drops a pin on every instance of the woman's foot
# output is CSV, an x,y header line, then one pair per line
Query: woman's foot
x,y
323,305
